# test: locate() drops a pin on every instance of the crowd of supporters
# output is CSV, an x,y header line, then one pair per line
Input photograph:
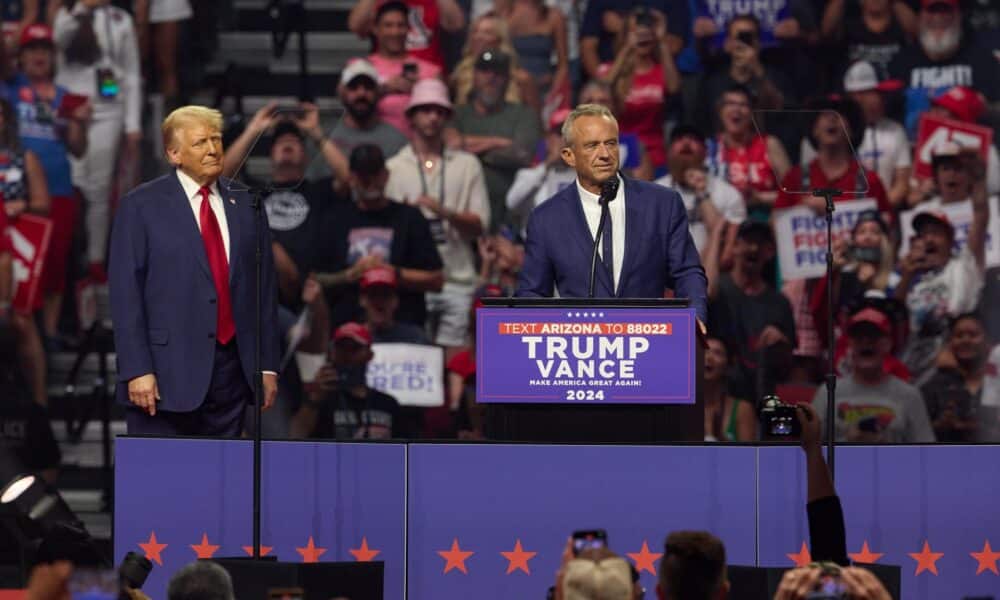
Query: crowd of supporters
x,y
449,137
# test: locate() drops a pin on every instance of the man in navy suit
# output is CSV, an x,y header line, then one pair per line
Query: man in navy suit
x,y
182,282
646,247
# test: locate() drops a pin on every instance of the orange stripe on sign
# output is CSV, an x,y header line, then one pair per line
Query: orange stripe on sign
x,y
524,328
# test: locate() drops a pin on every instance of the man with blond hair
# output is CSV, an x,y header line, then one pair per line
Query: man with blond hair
x,y
597,574
182,282
645,247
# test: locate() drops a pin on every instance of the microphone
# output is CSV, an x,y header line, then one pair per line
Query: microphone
x,y
609,189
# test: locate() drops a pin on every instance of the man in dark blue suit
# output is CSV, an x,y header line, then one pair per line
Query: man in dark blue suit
x,y
182,281
645,248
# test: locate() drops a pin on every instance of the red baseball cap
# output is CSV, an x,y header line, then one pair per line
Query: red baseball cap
x,y
355,332
385,276
963,102
36,33
557,118
872,316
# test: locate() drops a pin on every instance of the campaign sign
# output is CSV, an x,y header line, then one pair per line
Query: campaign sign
x,y
960,215
29,237
585,355
801,236
934,131
411,373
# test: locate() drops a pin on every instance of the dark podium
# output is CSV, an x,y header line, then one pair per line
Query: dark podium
x,y
594,421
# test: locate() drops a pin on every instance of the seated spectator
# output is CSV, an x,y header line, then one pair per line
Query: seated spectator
x,y
874,407
295,205
428,20
490,31
632,157
937,285
884,147
706,197
603,28
954,392
538,33
748,160
727,418
875,33
953,169
693,567
534,185
967,105
835,165
456,206
642,77
776,23
744,66
945,56
23,190
52,137
754,320
341,405
200,580
398,69
360,124
502,134
379,300
375,230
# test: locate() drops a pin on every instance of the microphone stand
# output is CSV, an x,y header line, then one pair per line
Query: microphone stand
x,y
831,373
257,193
597,244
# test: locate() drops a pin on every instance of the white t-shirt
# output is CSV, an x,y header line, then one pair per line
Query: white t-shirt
x,y
991,381
464,191
884,149
726,198
535,185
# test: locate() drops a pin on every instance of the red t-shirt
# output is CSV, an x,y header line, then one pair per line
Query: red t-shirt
x,y
4,234
462,364
424,39
642,114
746,168
817,179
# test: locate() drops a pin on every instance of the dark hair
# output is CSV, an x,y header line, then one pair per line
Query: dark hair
x,y
9,137
736,88
201,580
967,316
749,18
392,6
725,344
693,565
286,128
367,160
848,109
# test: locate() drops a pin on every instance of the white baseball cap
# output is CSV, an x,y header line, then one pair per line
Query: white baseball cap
x,y
358,68
861,77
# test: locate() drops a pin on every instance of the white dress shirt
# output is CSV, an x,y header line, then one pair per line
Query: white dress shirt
x,y
215,201
592,211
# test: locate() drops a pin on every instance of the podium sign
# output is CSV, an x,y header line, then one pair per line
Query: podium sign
x,y
585,355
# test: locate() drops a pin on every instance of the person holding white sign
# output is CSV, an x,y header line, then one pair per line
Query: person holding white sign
x,y
937,286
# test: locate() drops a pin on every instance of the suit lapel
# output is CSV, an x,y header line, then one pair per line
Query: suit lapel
x,y
233,223
585,240
633,225
180,206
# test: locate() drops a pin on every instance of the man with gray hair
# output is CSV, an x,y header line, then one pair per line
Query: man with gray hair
x,y
645,247
201,580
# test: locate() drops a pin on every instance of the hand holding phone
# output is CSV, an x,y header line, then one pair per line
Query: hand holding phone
x,y
589,539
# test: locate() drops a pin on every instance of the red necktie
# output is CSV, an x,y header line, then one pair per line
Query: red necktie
x,y
216,250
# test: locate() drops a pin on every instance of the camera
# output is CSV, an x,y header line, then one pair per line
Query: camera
x,y
644,17
589,539
778,419
868,254
747,37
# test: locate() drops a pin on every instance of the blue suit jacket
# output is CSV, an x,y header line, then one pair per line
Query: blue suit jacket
x,y
659,251
163,296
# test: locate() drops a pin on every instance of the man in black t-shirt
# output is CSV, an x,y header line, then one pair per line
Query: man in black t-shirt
x,y
945,56
752,317
341,405
372,231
